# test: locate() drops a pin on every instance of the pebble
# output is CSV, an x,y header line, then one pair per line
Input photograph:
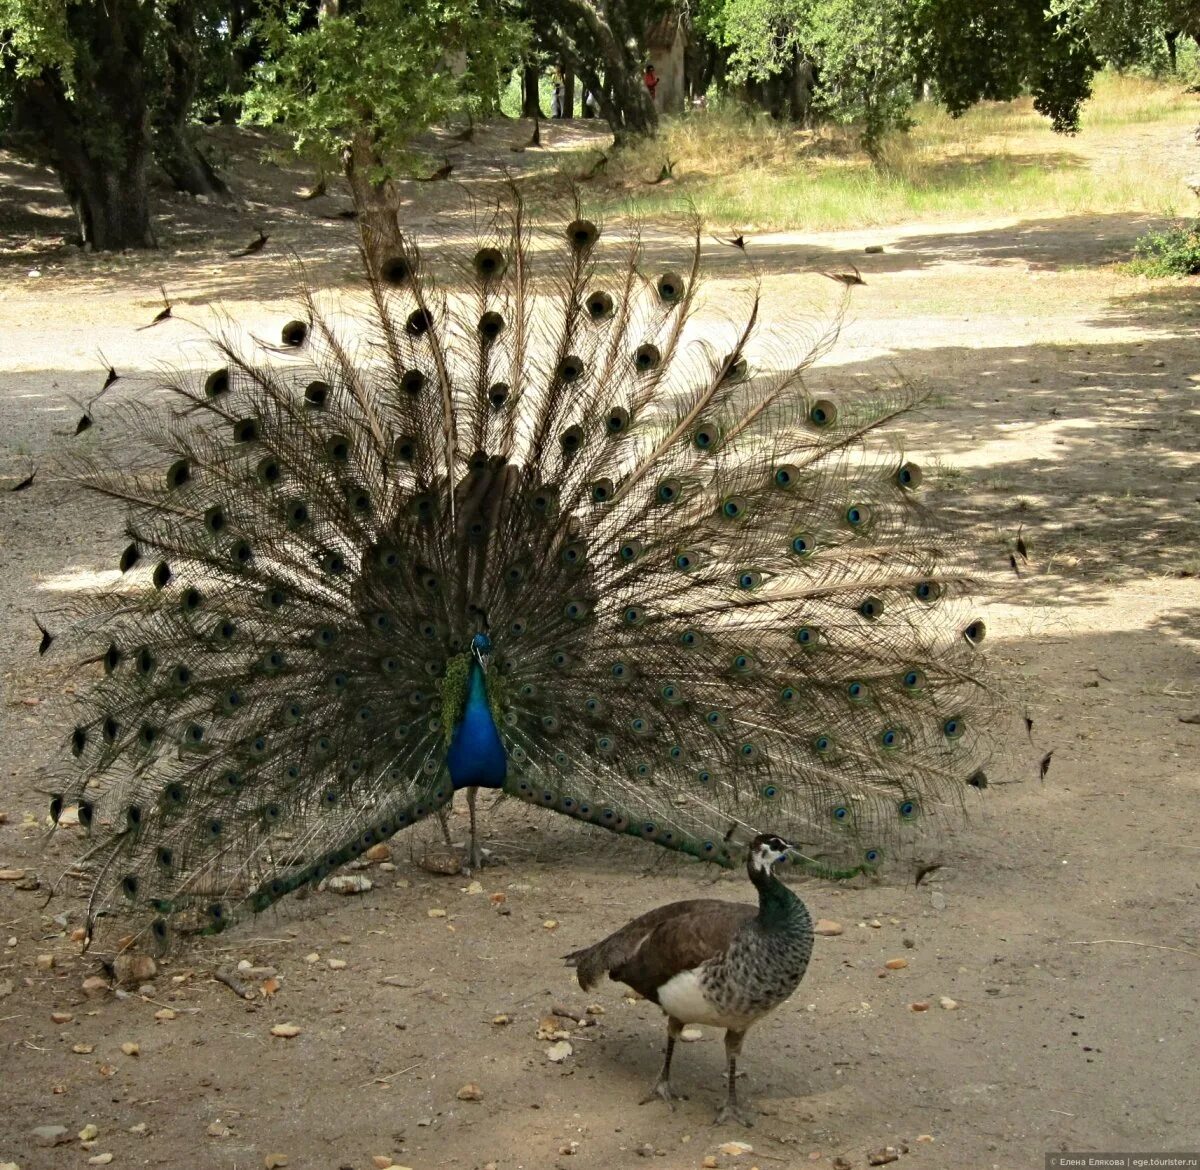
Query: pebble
x,y
924,1137
470,1092
218,1129
919,1006
378,852
710,1162
44,962
896,964
875,924
165,1014
83,1049
474,888
348,884
61,1017
594,1009
735,1149
568,1148
948,1004
550,924
51,1135
937,900
827,927
100,1159
690,1034
89,1133
841,1163
131,970
873,249
498,898
381,1162
1158,363
312,957
275,1161
337,964
435,912
131,1049
886,1155
94,985
11,875
559,1052
501,1020
285,1031
139,1130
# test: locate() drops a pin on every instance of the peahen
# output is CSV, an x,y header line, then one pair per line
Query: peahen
x,y
706,961
539,517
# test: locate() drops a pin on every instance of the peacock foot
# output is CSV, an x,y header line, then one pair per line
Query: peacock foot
x,y
662,1091
732,1111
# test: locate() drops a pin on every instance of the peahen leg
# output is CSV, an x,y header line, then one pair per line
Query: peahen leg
x,y
443,817
662,1087
731,1110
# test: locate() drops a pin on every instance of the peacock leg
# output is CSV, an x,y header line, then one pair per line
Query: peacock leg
x,y
662,1087
444,818
475,858
731,1110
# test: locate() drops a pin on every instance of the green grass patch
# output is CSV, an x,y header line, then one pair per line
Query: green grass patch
x,y
1169,251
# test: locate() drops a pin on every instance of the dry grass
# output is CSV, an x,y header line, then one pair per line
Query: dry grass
x,y
741,170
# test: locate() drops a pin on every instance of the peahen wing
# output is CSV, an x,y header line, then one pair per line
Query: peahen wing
x,y
710,609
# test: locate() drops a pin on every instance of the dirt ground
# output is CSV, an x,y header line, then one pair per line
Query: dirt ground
x,y
1064,922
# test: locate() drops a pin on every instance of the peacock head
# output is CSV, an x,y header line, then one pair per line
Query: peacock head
x,y
767,851
481,647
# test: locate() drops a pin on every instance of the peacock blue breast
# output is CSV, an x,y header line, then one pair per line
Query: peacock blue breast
x,y
476,757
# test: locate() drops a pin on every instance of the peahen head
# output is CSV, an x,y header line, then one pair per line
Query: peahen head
x,y
767,851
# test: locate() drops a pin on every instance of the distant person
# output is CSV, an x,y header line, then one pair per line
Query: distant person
x,y
557,100
591,106
651,80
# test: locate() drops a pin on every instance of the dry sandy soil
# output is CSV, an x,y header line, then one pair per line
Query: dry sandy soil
x,y
1064,921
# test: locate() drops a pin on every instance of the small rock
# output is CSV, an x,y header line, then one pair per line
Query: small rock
x,y
275,1161
337,964
896,964
445,860
735,1149
842,1164
100,1159
501,1020
498,898
138,1130
44,962
873,249
218,1129
1158,363
950,1005
51,1135
559,1052
475,888
710,1162
381,1162
11,875
924,1137
470,1092
379,852
94,986
827,928
568,1148
645,1150
130,1048
165,1014
691,1034
937,900
594,1009
550,924
61,1017
875,924
919,1006
89,1133
131,970
285,1031
83,1049
312,957
884,1156
435,912
346,884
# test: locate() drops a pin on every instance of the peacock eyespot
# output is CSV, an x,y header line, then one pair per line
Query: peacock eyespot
x,y
633,616
599,306
215,519
909,476
337,447
809,637
617,422
822,745
619,670
706,436
412,382
789,695
269,471
668,491
129,885
422,506
822,413
498,394
571,440
715,718
858,515
297,514
749,580
161,577
975,632
670,288
871,608
192,599
978,779
857,692
891,738
872,857
217,383
333,563
179,473
602,491
241,553
489,263
907,809
79,740
735,368
703,776
112,658
246,430
560,659
748,751
316,395
841,813
954,727
769,792
491,325
396,270
569,370
630,551
294,334
574,553
646,358
576,610
129,558
689,639
786,476
605,743
734,508
582,234
419,322
684,561
912,680
405,448
669,693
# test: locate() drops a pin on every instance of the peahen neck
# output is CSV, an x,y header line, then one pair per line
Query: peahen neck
x,y
476,758
778,908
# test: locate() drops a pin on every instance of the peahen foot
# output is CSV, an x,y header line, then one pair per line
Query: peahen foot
x,y
732,1111
662,1091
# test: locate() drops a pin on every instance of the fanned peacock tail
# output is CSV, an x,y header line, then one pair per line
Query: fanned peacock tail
x,y
538,518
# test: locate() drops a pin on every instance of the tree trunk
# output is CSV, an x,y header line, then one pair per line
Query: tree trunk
x,y
568,106
376,201
531,102
97,136
175,148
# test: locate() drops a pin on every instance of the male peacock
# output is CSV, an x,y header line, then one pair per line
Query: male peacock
x,y
538,520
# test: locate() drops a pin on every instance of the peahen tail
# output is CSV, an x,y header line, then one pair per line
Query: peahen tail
x,y
539,516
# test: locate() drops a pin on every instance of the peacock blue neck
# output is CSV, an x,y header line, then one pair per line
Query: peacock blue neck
x,y
476,758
